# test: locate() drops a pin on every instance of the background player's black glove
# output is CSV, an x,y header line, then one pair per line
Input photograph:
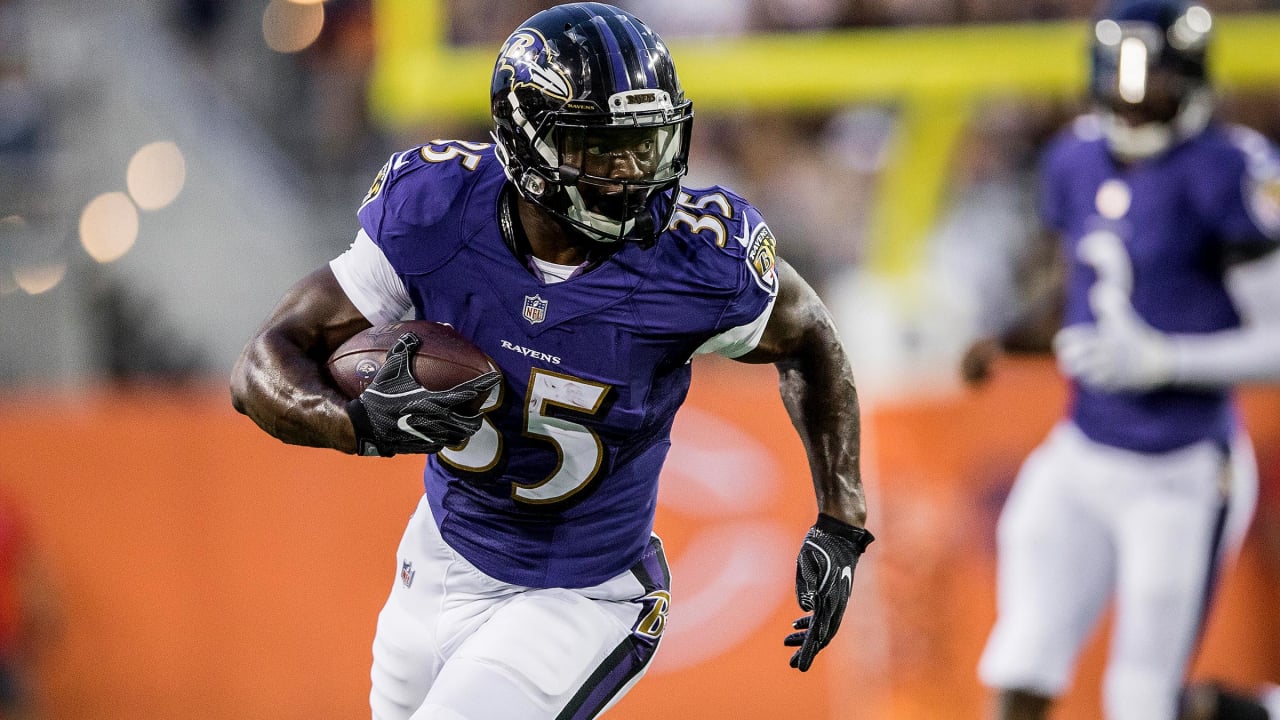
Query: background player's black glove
x,y
824,579
396,414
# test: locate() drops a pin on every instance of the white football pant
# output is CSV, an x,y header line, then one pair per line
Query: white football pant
x,y
455,644
1086,524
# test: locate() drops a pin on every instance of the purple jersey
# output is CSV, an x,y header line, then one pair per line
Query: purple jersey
x,y
1178,218
560,486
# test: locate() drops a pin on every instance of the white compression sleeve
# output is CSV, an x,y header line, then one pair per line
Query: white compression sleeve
x,y
367,277
1249,353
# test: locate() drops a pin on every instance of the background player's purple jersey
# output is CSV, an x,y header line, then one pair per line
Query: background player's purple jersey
x,y
559,488
1178,218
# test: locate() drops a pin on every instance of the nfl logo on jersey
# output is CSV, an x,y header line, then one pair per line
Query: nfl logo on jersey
x,y
535,309
407,572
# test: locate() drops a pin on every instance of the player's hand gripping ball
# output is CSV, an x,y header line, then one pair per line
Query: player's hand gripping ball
x,y
415,386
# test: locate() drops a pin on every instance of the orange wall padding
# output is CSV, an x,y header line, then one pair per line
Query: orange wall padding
x,y
207,571
945,467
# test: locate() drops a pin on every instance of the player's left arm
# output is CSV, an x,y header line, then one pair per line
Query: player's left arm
x,y
819,393
1132,355
1246,214
1249,353
1124,353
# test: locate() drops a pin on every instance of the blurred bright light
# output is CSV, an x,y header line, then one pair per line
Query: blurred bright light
x,y
39,278
307,2
289,26
1108,32
1133,70
1199,19
38,267
156,175
109,226
1191,31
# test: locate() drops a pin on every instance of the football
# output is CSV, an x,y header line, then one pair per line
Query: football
x,y
443,360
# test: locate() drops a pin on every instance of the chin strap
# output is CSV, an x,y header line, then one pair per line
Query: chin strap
x,y
507,226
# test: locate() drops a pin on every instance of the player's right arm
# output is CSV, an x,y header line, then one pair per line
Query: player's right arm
x,y
1041,281
1041,272
279,379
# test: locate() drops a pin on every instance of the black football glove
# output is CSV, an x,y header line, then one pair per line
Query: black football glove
x,y
396,414
824,579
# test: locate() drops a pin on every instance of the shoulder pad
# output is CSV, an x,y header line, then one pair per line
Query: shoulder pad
x,y
422,193
445,158
719,217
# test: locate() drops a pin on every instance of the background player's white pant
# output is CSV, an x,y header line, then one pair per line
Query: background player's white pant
x,y
1086,523
455,644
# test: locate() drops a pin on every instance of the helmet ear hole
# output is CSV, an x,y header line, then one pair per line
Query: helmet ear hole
x,y
590,71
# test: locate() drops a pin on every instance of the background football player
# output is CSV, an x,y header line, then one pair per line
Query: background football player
x,y
1167,294
537,588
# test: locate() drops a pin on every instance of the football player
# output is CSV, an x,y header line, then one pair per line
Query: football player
x,y
529,582
1168,295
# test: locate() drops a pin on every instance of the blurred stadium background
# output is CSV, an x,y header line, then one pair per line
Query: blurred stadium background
x,y
169,167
